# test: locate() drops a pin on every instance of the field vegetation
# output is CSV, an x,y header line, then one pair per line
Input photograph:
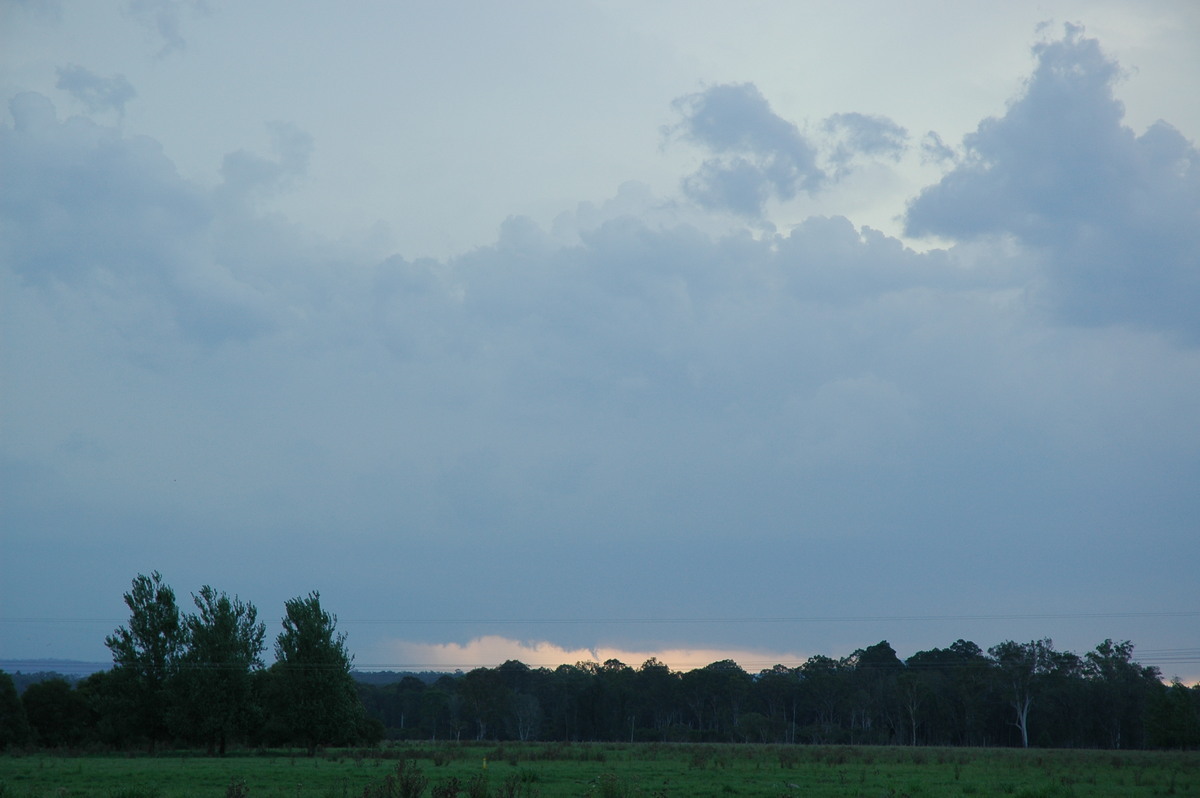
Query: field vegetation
x,y
606,770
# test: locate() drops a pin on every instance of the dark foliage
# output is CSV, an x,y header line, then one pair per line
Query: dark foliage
x,y
204,672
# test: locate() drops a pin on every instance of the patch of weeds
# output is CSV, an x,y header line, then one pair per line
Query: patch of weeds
x,y
477,787
406,782
609,786
511,786
448,788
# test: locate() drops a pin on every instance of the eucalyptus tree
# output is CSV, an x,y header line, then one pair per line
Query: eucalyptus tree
x,y
1022,668
1121,690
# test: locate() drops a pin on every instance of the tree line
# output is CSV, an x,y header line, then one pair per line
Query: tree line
x,y
1015,694
198,679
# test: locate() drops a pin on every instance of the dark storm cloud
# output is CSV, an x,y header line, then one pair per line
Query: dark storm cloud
x,y
1115,214
759,155
96,92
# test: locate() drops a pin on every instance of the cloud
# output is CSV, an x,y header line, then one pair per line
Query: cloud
x,y
45,9
655,403
758,155
247,175
1115,215
492,650
165,19
95,92
934,149
92,216
856,134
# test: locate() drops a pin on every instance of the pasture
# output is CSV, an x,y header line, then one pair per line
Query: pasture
x,y
607,771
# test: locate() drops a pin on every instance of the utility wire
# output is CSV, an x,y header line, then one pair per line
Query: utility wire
x,y
711,619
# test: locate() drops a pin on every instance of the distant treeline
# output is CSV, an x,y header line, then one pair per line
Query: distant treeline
x,y
199,680
1012,695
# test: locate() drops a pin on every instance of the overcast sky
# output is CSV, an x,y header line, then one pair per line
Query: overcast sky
x,y
560,331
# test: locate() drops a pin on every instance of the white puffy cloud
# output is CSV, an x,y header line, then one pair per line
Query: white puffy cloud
x,y
1115,214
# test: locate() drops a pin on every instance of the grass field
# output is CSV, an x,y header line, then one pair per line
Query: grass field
x,y
609,771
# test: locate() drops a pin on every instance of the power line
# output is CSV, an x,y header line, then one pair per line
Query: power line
x,y
708,619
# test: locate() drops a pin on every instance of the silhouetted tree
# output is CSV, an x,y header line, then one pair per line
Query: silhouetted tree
x,y
1120,692
225,642
1173,717
145,654
14,727
1022,668
311,690
58,714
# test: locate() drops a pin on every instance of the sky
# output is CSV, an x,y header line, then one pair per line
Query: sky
x,y
563,331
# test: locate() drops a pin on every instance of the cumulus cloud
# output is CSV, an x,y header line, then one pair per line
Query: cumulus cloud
x,y
758,155
96,92
108,216
1116,215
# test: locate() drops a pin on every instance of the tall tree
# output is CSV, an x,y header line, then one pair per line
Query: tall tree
x,y
958,679
225,642
1022,667
657,685
876,673
1121,689
313,691
823,689
146,653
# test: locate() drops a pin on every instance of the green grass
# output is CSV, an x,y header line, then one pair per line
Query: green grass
x,y
614,771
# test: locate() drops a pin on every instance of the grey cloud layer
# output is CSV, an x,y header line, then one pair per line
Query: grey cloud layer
x,y
188,360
